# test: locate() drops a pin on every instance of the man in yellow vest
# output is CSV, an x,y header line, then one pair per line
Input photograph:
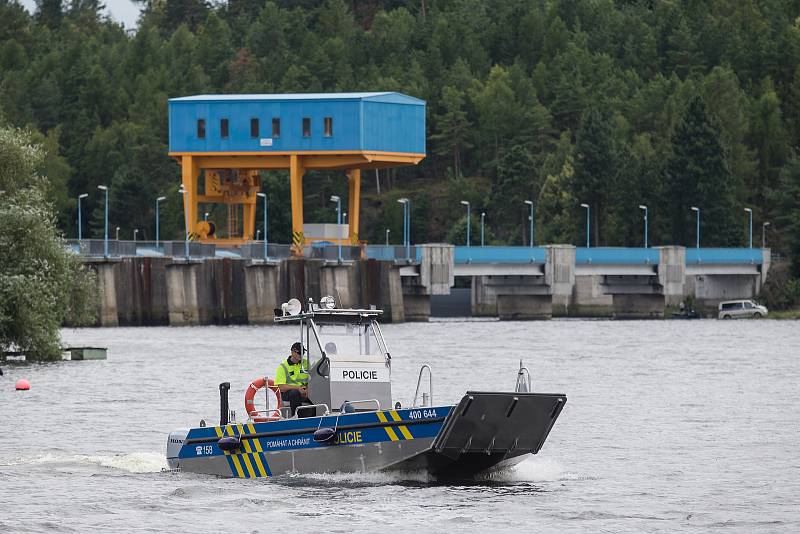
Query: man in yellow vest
x,y
292,379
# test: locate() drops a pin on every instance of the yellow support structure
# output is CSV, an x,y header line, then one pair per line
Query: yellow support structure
x,y
353,203
296,172
189,174
233,179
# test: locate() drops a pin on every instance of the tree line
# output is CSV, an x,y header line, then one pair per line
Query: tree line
x,y
609,103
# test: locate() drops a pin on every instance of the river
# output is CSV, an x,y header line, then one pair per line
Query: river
x,y
669,426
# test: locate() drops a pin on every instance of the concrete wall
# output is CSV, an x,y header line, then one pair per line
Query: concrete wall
x,y
672,274
182,298
524,307
709,291
589,299
559,275
160,291
261,292
141,292
638,306
106,292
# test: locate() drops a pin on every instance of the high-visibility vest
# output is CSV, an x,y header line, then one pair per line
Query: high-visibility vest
x,y
293,374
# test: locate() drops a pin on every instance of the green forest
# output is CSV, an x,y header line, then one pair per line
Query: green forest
x,y
613,103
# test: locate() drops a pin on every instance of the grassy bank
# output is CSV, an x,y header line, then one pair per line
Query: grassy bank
x,y
785,314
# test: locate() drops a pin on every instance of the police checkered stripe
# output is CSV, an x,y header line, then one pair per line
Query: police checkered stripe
x,y
252,463
405,433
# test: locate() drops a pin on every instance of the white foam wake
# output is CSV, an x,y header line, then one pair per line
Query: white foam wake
x,y
378,478
135,462
530,470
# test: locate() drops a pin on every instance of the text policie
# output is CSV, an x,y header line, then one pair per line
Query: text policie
x,y
350,374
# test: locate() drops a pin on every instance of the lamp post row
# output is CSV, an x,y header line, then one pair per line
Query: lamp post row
x,y
406,223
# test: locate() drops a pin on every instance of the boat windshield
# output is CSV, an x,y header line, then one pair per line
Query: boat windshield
x,y
349,339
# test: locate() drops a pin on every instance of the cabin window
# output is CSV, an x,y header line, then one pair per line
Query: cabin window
x,y
306,127
201,128
223,128
328,126
276,128
254,128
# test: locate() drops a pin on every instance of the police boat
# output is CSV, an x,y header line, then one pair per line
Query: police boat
x,y
353,424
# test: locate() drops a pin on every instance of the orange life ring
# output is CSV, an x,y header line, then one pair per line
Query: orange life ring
x,y
249,395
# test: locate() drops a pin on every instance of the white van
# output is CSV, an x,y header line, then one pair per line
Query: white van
x,y
738,309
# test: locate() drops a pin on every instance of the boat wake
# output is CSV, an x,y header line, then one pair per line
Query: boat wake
x,y
534,470
135,462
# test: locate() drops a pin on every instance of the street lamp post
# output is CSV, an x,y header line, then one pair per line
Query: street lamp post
x,y
464,202
764,235
483,215
264,196
530,203
135,232
258,235
406,225
335,198
105,219
697,230
643,207
587,223
116,235
158,200
205,216
387,237
749,211
184,192
80,226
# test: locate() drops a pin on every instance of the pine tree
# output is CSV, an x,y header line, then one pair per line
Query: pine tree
x,y
453,127
595,168
698,175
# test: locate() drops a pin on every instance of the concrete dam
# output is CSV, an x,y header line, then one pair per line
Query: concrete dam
x,y
509,283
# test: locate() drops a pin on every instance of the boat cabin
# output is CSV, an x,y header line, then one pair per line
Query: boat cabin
x,y
349,363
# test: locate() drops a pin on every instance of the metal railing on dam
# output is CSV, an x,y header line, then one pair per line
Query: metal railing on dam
x,y
255,250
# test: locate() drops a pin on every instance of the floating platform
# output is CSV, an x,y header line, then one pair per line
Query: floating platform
x,y
87,353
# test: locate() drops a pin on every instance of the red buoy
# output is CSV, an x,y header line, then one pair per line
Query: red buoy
x,y
23,385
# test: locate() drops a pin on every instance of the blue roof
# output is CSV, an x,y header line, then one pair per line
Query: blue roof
x,y
376,96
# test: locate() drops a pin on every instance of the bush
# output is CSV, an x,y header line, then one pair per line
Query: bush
x,y
42,284
780,291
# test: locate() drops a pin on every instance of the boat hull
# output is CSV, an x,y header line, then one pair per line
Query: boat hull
x,y
368,441
485,430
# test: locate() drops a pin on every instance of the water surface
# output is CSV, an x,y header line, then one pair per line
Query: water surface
x,y
670,425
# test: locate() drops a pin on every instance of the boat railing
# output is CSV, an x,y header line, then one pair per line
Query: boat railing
x,y
427,398
269,413
376,402
523,384
326,409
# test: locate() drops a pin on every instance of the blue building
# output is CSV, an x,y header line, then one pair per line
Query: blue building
x,y
379,122
232,137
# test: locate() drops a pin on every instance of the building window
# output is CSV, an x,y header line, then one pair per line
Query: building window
x,y
201,128
276,128
223,128
328,126
254,128
306,127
